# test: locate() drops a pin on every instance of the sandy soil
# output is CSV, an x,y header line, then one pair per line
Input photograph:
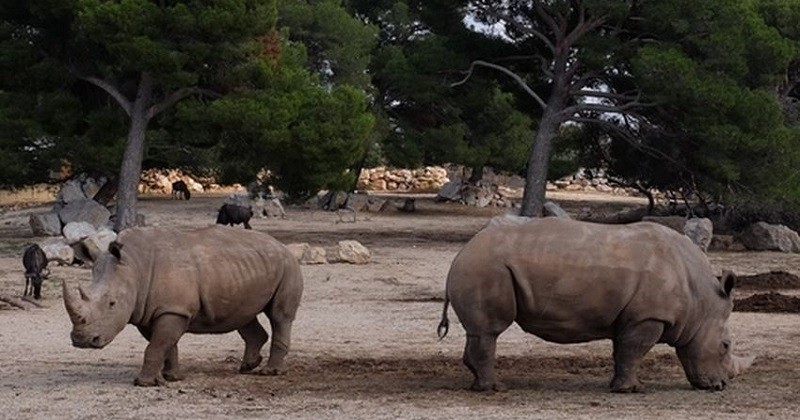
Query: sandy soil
x,y
365,344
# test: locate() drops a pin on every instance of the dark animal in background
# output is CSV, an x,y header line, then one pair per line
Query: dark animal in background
x,y
231,214
35,262
180,190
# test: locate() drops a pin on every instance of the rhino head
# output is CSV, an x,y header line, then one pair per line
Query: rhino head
x,y
708,358
101,312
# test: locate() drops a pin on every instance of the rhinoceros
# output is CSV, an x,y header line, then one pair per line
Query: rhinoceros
x,y
570,282
168,282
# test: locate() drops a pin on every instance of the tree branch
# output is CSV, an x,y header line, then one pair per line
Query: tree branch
x,y
508,72
177,96
124,102
522,28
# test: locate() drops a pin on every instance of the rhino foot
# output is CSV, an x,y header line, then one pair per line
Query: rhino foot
x,y
155,381
496,387
248,367
626,386
174,376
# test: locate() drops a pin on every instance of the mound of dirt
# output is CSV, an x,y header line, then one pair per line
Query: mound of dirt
x,y
768,281
768,302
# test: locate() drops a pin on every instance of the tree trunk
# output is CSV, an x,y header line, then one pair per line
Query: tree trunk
x,y
533,196
132,159
476,175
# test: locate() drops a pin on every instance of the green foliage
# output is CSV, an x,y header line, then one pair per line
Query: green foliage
x,y
339,45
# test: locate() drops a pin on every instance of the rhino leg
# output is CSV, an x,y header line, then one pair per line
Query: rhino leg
x,y
631,343
479,356
172,371
167,329
254,338
279,348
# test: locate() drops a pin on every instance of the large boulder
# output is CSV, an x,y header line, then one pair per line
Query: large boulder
x,y
273,208
75,232
70,192
450,191
700,231
98,242
352,252
307,254
57,249
85,210
358,202
45,224
762,236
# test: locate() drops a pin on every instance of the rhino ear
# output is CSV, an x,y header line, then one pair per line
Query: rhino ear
x,y
728,281
115,248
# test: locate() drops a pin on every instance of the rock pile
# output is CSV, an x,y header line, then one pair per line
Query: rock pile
x,y
482,194
159,181
427,179
352,252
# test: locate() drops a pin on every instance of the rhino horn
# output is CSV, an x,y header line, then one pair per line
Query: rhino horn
x,y
72,302
740,364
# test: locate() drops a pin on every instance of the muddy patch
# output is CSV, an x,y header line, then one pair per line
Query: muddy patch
x,y
768,302
768,281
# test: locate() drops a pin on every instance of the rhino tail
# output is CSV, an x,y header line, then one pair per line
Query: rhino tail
x,y
444,325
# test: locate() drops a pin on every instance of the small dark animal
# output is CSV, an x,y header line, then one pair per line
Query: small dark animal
x,y
35,262
180,190
231,214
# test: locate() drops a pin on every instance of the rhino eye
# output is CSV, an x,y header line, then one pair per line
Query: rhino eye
x,y
726,345
111,304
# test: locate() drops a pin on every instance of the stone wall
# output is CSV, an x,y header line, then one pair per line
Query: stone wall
x,y
159,181
427,179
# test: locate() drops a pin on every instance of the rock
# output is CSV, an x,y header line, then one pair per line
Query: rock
x,y
57,249
92,186
314,255
75,232
761,236
307,254
477,196
552,209
46,224
353,252
70,192
97,243
675,223
85,210
376,205
450,191
700,231
358,202
298,249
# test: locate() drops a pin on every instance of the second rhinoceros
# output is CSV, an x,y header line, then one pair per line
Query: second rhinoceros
x,y
570,282
168,282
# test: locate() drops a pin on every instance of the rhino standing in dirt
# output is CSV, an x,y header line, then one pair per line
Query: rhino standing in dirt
x,y
571,282
167,282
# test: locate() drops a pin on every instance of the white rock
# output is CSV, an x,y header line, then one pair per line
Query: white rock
x,y
75,232
353,252
97,243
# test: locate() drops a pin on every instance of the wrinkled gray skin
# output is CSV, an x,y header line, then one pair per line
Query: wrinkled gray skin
x,y
571,282
207,281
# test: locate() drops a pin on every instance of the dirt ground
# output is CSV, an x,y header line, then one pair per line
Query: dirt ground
x,y
364,344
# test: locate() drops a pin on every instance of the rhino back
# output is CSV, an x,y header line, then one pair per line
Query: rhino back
x,y
219,277
573,281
